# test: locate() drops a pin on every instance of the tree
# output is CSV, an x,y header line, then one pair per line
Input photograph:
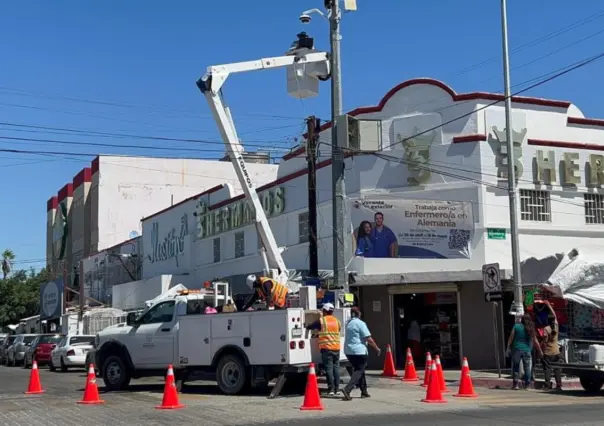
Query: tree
x,y
19,291
8,257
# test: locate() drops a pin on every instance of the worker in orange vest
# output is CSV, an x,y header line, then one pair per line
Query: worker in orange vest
x,y
329,329
268,290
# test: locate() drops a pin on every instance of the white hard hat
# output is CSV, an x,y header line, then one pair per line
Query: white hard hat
x,y
250,280
328,307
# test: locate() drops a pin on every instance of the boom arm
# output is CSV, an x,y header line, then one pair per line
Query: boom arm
x,y
210,85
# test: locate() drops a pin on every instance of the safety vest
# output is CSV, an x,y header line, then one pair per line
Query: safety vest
x,y
279,292
329,336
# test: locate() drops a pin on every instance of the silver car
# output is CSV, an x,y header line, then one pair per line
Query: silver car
x,y
16,353
4,348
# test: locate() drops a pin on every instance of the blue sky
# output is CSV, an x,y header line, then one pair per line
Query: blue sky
x,y
131,66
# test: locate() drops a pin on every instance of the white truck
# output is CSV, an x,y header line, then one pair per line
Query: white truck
x,y
240,348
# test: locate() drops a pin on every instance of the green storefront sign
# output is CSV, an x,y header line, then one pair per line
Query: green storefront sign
x,y
496,233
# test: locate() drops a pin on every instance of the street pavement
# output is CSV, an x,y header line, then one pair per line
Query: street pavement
x,y
392,403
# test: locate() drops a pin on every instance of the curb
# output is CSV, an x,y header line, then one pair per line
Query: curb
x,y
497,383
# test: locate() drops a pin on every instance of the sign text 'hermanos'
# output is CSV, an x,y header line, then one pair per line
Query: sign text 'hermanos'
x,y
237,214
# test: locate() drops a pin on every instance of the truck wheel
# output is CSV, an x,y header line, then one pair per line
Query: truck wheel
x,y
231,375
115,374
590,384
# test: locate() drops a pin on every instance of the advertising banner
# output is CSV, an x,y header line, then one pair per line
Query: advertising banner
x,y
51,299
420,229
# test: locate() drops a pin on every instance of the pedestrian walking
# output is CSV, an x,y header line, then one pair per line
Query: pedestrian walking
x,y
521,342
548,339
355,349
329,329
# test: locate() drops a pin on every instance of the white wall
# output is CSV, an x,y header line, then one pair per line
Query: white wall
x,y
567,228
451,172
131,188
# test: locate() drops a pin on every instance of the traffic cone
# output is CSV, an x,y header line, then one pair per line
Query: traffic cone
x,y
312,400
170,400
427,372
441,375
91,391
389,369
410,373
34,387
433,392
466,388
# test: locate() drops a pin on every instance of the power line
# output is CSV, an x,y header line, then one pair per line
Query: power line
x,y
175,111
167,148
534,42
568,69
136,136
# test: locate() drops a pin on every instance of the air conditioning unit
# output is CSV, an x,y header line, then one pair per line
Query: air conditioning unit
x,y
359,135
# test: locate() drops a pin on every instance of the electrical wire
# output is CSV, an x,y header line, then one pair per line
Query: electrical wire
x,y
146,147
564,71
534,42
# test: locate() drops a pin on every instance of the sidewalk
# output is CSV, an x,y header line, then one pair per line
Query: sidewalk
x,y
481,379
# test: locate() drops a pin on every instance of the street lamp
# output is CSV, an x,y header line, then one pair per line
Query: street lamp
x,y
333,16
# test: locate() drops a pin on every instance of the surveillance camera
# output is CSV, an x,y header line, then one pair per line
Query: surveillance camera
x,y
305,18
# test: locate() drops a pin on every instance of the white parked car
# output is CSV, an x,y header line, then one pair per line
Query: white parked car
x,y
71,352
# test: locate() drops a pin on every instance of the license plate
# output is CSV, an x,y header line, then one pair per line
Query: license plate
x,y
297,332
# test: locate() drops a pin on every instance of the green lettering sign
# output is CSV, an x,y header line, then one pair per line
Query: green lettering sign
x,y
237,214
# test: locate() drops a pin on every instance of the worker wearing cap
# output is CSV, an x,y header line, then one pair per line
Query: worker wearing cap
x,y
329,329
268,290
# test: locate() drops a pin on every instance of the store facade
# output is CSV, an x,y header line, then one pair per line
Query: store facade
x,y
438,185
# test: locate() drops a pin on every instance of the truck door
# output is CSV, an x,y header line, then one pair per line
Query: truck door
x,y
154,337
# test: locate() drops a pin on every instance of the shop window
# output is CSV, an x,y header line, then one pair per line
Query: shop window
x,y
216,250
594,208
239,244
535,205
303,228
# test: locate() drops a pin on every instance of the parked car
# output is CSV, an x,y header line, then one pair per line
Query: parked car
x,y
71,351
4,348
40,349
16,353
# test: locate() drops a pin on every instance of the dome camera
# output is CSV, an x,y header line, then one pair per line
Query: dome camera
x,y
305,18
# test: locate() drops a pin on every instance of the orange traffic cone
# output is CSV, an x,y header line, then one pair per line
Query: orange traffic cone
x,y
466,388
34,387
389,369
433,393
91,391
170,400
410,373
427,372
312,400
441,375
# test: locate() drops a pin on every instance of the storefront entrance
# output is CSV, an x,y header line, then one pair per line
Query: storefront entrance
x,y
426,322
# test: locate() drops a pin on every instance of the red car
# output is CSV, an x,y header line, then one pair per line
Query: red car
x,y
41,348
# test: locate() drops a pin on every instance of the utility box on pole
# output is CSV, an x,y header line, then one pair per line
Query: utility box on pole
x,y
359,135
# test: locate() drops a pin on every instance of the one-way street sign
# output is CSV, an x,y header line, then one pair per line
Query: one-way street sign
x,y
493,297
491,282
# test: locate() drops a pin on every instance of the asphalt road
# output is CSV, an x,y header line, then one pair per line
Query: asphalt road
x,y
588,414
392,403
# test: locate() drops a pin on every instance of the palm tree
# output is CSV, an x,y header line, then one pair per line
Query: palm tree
x,y
8,257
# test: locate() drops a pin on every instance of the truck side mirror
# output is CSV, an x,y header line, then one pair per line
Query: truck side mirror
x,y
131,319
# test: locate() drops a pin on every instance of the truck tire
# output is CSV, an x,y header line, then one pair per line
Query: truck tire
x,y
591,384
231,375
116,375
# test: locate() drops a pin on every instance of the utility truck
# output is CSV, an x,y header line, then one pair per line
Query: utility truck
x,y
240,349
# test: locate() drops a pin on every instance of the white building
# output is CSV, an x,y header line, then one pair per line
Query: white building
x,y
443,152
104,206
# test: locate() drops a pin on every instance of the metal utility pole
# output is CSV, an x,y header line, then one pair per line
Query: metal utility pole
x,y
337,154
517,307
313,125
